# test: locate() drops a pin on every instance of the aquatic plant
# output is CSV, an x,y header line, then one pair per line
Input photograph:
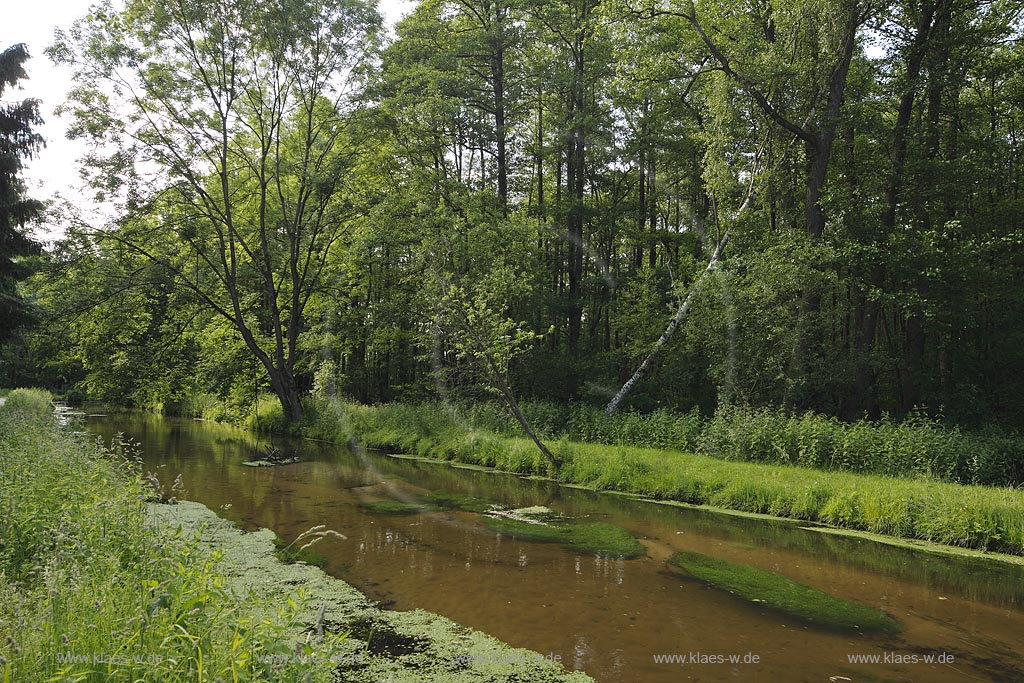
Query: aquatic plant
x,y
588,538
446,500
777,592
920,507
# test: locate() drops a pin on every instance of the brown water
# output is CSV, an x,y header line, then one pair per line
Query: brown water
x,y
611,618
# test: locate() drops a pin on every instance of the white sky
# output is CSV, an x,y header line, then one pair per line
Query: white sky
x,y
33,23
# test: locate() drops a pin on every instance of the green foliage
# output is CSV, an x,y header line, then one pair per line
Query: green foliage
x,y
776,592
918,446
18,142
92,590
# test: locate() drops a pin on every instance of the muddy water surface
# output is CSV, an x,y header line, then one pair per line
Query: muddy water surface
x,y
618,620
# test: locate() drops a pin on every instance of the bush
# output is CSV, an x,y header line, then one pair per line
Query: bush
x,y
30,403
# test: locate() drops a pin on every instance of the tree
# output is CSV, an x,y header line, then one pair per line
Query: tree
x,y
17,142
486,342
223,128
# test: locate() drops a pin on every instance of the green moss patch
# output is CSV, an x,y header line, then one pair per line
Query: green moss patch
x,y
777,592
447,500
394,507
583,537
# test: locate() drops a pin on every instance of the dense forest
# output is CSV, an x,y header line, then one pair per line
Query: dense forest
x,y
804,205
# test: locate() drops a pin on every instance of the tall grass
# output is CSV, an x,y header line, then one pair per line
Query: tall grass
x,y
91,589
916,447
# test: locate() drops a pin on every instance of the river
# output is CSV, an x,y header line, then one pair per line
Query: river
x,y
621,621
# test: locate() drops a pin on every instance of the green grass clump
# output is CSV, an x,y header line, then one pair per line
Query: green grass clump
x,y
588,538
527,531
92,588
394,507
447,500
604,539
777,592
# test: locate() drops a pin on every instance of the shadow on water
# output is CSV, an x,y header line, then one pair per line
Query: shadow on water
x,y
616,619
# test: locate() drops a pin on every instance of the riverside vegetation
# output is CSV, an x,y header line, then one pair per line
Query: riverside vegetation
x,y
93,589
100,582
507,213
895,479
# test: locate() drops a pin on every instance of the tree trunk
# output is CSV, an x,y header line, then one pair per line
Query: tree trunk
x,y
652,211
282,381
577,176
818,147
915,343
681,312
498,79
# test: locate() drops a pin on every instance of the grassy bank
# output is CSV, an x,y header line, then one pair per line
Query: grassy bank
x,y
91,589
917,446
979,517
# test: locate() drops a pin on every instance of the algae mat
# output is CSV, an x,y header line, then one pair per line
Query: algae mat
x,y
383,646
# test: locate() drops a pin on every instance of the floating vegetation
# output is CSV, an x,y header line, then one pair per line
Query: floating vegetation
x,y
394,507
447,500
604,539
527,531
777,592
596,538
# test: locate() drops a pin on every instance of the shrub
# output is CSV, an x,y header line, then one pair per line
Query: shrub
x,y
30,403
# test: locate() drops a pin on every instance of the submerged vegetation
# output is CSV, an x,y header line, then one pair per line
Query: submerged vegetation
x,y
93,588
588,538
777,592
447,500
393,507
